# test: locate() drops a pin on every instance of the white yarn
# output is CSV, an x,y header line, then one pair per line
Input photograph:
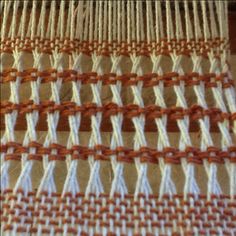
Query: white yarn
x,y
47,182
94,184
71,183
10,120
118,183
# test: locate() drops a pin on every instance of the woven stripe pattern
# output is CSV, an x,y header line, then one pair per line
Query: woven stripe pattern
x,y
87,45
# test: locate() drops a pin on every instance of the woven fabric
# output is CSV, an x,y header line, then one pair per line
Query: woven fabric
x,y
89,45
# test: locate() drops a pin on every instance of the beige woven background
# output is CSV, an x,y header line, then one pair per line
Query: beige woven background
x,y
106,170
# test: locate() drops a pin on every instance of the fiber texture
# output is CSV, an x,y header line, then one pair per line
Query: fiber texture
x,y
85,45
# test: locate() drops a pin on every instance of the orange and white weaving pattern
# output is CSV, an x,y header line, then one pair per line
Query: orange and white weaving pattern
x,y
87,46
